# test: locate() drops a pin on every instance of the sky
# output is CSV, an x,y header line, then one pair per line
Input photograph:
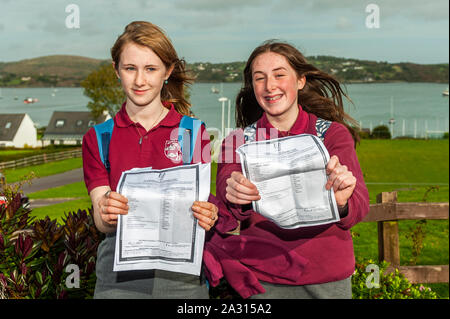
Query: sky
x,y
228,30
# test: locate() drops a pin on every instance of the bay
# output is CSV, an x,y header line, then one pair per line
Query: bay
x,y
416,107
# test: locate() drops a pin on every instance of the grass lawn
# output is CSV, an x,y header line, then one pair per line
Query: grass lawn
x,y
17,174
416,169
11,154
57,211
70,190
404,161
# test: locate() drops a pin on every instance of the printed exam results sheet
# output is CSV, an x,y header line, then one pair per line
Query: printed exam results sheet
x,y
290,174
160,231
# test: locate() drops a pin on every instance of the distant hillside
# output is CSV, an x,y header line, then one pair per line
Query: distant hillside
x,y
345,70
54,70
69,71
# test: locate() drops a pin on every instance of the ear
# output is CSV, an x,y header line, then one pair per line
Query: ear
x,y
115,70
169,71
301,82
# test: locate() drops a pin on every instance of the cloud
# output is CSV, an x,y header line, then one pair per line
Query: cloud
x,y
411,9
223,30
217,6
343,23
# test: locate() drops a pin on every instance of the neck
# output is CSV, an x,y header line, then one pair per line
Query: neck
x,y
148,116
285,121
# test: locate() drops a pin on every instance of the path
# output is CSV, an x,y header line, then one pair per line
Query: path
x,y
52,181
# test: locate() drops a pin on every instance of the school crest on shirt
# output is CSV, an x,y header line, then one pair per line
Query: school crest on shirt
x,y
172,150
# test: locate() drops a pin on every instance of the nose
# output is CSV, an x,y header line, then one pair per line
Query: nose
x,y
270,84
139,79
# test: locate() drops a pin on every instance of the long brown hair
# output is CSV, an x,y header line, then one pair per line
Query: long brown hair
x,y
321,95
151,36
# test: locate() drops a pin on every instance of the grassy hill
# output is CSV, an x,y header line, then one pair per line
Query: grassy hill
x,y
67,70
54,70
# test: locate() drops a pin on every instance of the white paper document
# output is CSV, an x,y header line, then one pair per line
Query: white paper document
x,y
290,175
160,231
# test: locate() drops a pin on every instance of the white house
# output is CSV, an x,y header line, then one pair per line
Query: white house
x,y
17,130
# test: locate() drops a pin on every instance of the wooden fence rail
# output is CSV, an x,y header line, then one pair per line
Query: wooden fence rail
x,y
386,213
40,159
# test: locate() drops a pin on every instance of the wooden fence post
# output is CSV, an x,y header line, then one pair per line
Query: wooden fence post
x,y
388,242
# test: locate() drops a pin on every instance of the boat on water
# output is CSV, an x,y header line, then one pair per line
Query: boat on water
x,y
30,100
445,92
214,90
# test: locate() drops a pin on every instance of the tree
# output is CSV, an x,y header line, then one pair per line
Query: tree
x,y
105,91
382,132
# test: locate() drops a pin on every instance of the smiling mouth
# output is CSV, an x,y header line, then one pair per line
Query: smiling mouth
x,y
139,91
273,97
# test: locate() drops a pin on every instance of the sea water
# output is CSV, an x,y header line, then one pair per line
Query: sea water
x,y
416,109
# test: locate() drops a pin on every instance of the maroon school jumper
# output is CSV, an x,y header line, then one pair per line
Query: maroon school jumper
x,y
264,251
159,149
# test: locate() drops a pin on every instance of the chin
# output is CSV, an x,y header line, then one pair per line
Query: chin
x,y
140,100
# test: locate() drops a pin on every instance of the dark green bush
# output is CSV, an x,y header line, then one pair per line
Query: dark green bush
x,y
381,131
364,134
34,255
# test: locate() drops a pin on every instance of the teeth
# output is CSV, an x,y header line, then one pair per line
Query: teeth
x,y
273,98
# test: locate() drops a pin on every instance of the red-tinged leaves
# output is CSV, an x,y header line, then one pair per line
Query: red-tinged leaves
x,y
34,255
3,280
2,242
63,294
24,269
48,232
24,245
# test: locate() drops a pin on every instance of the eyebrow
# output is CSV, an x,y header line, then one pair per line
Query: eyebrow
x,y
274,70
131,64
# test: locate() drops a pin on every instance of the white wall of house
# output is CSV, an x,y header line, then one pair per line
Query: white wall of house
x,y
26,134
6,144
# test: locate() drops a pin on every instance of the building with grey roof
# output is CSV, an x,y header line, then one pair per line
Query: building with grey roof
x,y
69,127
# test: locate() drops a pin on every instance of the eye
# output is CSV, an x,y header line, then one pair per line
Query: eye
x,y
151,69
129,68
279,75
257,79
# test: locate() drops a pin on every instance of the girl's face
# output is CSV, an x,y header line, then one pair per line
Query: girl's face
x,y
142,74
276,85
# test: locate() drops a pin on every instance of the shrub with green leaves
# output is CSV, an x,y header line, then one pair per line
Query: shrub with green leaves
x,y
381,131
392,285
35,255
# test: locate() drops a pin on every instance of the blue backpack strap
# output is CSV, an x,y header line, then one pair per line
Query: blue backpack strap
x,y
187,135
250,133
321,128
104,132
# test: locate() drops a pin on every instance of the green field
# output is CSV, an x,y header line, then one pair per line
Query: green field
x,y
17,174
416,169
11,154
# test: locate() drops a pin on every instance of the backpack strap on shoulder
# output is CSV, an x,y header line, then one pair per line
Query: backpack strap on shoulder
x,y
250,133
321,128
104,132
187,135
